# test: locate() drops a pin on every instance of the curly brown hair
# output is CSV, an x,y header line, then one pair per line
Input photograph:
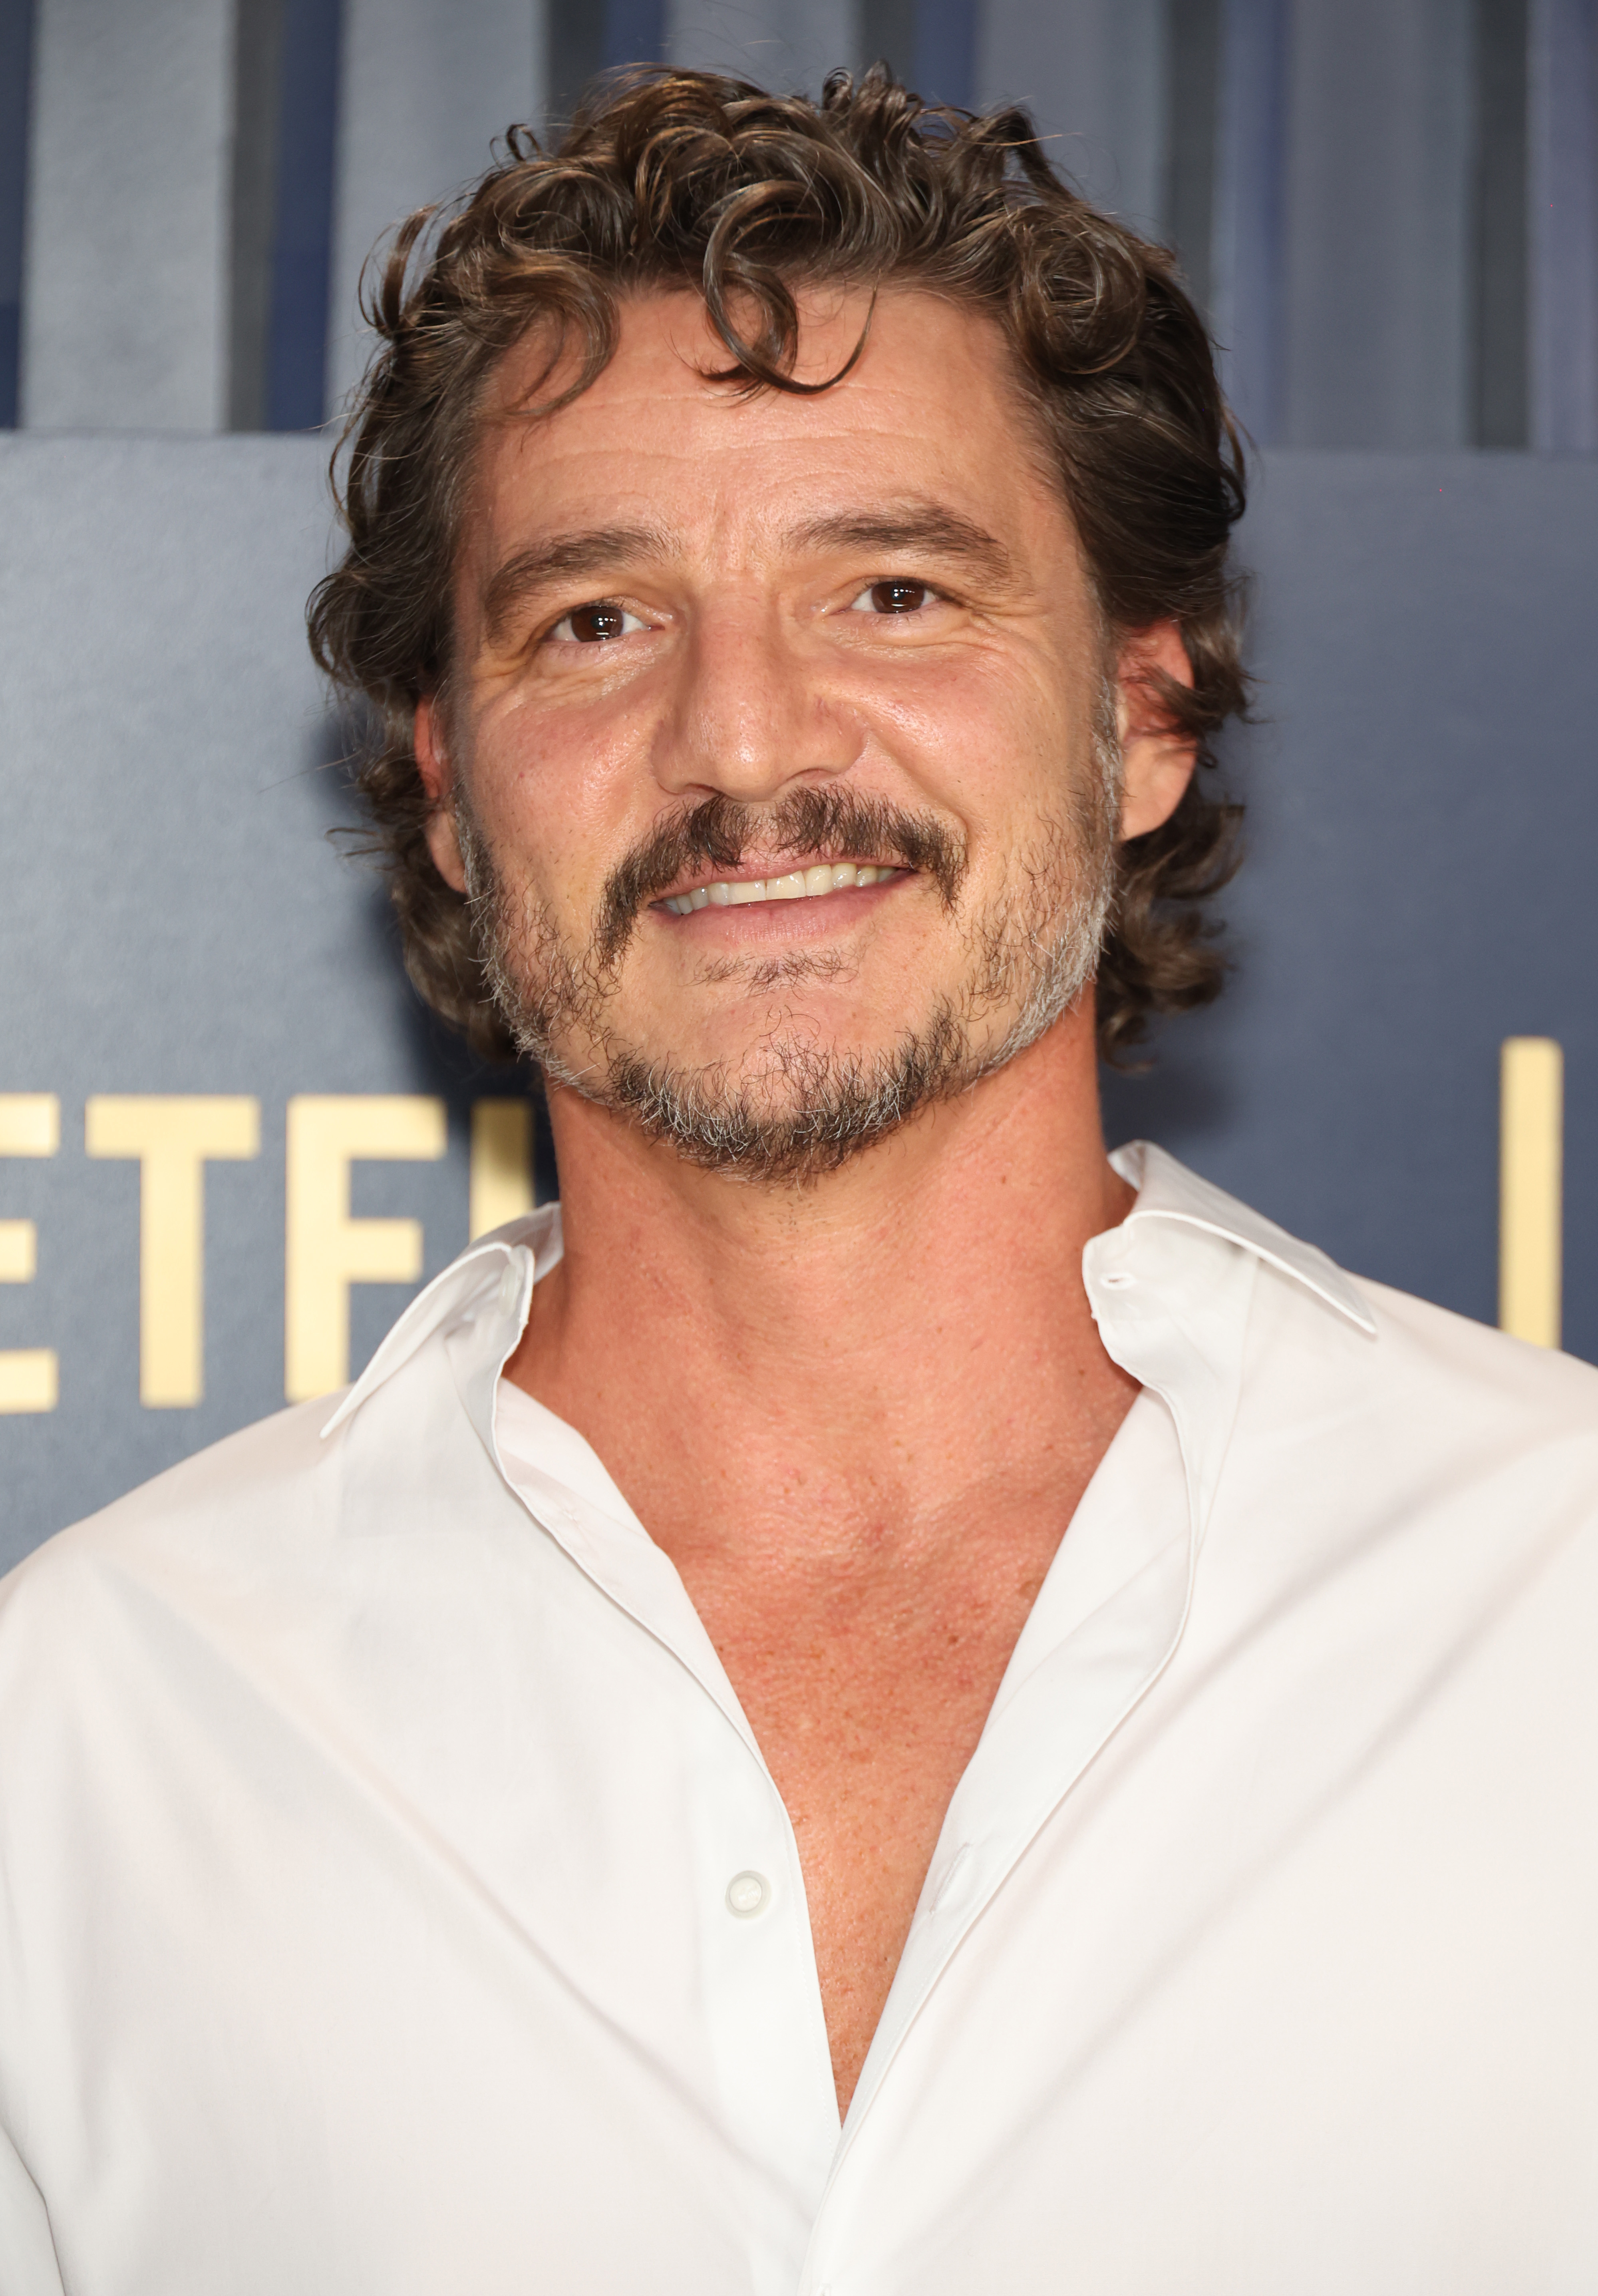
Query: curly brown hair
x,y
680,178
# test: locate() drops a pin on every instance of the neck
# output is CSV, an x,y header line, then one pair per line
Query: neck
x,y
909,1319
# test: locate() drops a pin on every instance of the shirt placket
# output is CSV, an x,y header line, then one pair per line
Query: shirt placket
x,y
760,2004
1184,1345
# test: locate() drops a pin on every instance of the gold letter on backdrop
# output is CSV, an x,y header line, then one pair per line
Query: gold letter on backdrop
x,y
30,1126
173,1135
1531,1120
327,1249
501,1164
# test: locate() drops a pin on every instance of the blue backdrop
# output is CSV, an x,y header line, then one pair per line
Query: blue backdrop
x,y
1389,208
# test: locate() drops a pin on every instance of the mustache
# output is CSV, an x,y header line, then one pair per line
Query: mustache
x,y
835,823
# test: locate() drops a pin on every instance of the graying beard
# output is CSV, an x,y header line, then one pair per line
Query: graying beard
x,y
845,1105
564,994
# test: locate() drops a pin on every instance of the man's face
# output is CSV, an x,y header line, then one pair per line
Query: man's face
x,y
777,737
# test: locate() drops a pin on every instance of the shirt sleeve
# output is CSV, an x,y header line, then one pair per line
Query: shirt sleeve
x,y
28,2260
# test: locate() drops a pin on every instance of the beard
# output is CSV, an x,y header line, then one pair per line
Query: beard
x,y
794,1109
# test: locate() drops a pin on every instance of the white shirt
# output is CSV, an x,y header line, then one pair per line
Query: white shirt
x,y
394,1899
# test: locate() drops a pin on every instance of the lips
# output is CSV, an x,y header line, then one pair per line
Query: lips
x,y
794,885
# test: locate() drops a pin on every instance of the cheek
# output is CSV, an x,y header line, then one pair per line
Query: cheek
x,y
991,743
561,797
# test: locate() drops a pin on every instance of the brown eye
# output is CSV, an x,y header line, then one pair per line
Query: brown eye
x,y
596,623
593,625
899,597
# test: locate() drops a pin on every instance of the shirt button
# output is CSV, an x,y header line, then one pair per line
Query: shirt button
x,y
1118,1280
747,1895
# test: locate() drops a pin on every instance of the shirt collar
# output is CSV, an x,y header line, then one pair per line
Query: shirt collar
x,y
1167,1191
1171,1290
484,1296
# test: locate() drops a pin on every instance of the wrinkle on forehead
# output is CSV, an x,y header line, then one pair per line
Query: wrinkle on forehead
x,y
531,383
665,350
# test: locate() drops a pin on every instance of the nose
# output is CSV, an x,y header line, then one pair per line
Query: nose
x,y
751,715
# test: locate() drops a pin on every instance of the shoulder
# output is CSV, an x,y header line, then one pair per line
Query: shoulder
x,y
1335,1363
1424,1410
1436,1363
260,1485
123,1636
297,1518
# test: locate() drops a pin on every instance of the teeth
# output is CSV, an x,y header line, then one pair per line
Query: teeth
x,y
798,885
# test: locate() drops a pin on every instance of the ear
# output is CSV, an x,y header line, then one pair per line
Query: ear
x,y
437,779
1158,755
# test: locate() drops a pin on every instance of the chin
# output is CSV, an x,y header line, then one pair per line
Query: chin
x,y
794,1108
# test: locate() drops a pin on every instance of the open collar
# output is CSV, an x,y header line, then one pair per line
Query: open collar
x,y
482,1299
1167,1191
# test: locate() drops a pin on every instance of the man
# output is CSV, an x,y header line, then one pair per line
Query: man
x,y
884,1703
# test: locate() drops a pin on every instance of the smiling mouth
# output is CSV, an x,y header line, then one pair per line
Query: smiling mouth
x,y
795,885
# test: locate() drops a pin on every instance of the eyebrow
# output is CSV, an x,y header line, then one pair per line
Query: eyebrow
x,y
603,550
567,557
912,527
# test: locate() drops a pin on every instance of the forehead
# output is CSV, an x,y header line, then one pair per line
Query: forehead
x,y
933,405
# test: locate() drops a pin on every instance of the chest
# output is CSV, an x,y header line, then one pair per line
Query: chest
x,y
867,1690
